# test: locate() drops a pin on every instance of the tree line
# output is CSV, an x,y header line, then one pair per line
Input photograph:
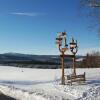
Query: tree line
x,y
92,60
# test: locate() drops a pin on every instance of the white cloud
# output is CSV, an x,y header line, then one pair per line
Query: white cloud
x,y
27,14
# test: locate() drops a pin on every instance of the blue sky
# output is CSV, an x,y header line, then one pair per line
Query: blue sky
x,y
31,26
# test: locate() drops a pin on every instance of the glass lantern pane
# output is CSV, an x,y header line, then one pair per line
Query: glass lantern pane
x,y
72,45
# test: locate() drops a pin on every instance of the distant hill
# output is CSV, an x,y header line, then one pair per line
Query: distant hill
x,y
17,59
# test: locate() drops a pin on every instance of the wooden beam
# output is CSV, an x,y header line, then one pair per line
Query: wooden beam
x,y
70,56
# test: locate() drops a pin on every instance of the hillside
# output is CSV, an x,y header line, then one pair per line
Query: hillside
x,y
33,61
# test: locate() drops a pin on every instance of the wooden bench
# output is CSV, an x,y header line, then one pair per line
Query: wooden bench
x,y
75,78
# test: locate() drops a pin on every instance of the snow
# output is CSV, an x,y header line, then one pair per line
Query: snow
x,y
44,84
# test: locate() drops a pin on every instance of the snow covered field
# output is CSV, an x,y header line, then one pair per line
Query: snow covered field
x,y
43,84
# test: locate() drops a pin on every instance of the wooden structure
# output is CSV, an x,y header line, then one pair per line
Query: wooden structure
x,y
75,78
63,47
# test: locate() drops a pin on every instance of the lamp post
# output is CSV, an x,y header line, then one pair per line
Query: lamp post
x,y
62,45
74,49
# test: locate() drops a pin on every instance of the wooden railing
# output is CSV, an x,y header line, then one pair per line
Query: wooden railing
x,y
75,78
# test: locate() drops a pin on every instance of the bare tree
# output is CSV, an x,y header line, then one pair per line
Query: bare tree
x,y
91,9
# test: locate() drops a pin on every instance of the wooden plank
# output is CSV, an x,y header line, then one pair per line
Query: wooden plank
x,y
70,56
77,78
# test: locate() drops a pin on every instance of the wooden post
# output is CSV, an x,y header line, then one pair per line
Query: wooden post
x,y
62,48
74,65
62,66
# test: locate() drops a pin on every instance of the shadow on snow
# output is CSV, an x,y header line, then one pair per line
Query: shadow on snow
x,y
25,82
95,82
